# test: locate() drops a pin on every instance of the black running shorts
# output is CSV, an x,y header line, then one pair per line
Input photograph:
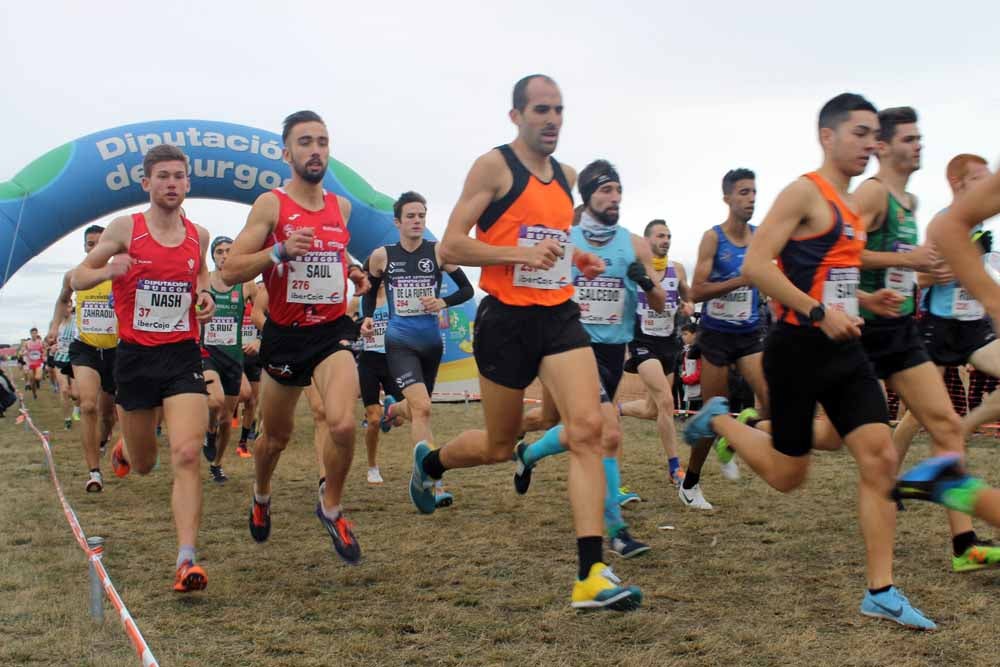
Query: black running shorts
x,y
251,367
610,366
951,342
291,354
665,350
723,349
373,373
893,345
102,361
146,375
230,370
409,364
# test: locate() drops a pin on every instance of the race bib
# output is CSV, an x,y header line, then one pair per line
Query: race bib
x,y
376,342
653,323
601,300
964,306
555,278
249,333
736,306
97,317
898,279
221,331
34,355
162,306
316,278
407,292
840,290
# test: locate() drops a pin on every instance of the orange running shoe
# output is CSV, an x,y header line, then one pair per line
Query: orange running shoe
x,y
243,451
236,422
190,577
118,462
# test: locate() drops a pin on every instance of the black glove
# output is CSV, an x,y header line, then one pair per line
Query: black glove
x,y
637,274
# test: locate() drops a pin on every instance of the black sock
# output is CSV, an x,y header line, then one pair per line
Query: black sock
x,y
432,464
244,434
961,542
210,438
589,551
95,470
690,479
253,426
876,591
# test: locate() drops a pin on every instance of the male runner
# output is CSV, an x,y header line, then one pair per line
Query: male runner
x,y
656,346
251,370
818,239
730,329
891,259
413,345
34,353
297,237
520,201
67,390
222,337
160,290
92,360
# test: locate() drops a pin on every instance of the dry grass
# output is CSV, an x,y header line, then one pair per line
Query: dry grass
x,y
764,580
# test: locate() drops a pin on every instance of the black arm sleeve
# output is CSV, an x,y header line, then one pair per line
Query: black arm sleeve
x,y
369,298
465,291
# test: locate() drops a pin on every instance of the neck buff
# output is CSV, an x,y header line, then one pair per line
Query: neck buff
x,y
594,230
660,263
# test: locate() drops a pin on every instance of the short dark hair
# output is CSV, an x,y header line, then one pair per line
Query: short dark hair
x,y
690,327
837,110
733,175
889,118
293,119
162,153
408,197
653,223
93,229
519,98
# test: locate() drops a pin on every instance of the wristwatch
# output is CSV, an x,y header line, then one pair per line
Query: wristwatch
x,y
817,314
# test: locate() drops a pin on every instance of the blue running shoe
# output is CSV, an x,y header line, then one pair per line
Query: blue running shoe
x,y
625,496
385,423
700,426
893,606
443,499
942,480
421,484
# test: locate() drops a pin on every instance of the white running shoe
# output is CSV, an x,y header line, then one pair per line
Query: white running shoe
x,y
693,498
730,471
374,476
95,483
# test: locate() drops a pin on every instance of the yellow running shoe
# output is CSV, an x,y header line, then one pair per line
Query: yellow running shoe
x,y
603,590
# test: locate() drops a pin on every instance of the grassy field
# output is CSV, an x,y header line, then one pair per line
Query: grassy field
x,y
764,580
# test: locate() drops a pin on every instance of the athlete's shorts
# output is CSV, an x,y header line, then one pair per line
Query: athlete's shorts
x,y
951,342
251,367
291,354
65,368
893,345
802,368
665,350
102,361
230,370
373,372
510,342
148,374
725,348
409,365
610,366
50,361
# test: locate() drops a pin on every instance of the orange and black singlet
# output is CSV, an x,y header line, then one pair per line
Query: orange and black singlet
x,y
531,211
826,266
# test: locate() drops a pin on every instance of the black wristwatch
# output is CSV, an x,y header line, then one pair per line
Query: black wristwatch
x,y
817,314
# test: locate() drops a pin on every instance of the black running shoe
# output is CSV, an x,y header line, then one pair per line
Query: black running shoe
x,y
260,520
342,533
208,448
218,476
522,475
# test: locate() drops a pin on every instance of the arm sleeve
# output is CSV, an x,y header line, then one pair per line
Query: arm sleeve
x,y
464,292
368,298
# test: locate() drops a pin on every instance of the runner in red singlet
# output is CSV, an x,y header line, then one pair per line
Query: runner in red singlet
x,y
35,353
160,288
297,237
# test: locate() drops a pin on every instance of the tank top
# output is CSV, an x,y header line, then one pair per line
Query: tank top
x,y
607,301
529,213
66,335
952,301
224,331
897,234
311,289
739,310
410,276
380,320
35,352
826,266
155,300
96,324
651,324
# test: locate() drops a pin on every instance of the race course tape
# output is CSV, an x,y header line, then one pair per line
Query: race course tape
x,y
93,555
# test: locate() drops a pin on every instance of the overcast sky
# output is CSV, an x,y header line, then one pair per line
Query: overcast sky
x,y
673,93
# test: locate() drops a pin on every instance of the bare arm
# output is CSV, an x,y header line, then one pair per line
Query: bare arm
x,y
683,290
205,304
95,267
63,303
701,289
656,297
248,257
870,201
259,313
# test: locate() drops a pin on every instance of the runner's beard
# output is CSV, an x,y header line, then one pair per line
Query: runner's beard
x,y
313,178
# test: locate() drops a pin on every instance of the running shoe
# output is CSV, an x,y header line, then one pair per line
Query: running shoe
x,y
234,422
626,546
693,497
103,448
342,533
69,423
677,477
442,498
700,425
385,423
260,520
208,448
980,555
723,451
730,471
603,590
892,605
942,480
95,483
119,465
522,474
76,413
242,451
421,484
218,476
625,496
190,577
374,476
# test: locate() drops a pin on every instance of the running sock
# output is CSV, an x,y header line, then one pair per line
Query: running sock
x,y
262,498
98,470
547,445
613,521
333,513
876,591
963,541
432,464
674,463
185,552
589,551
690,480
244,434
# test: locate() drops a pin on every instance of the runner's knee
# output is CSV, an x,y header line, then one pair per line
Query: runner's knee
x,y
584,432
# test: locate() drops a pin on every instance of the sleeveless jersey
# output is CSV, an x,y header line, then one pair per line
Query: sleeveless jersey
x,y
952,301
607,301
380,320
225,330
311,289
648,322
825,266
155,300
410,276
530,212
248,331
897,234
739,310
96,324
66,335
35,353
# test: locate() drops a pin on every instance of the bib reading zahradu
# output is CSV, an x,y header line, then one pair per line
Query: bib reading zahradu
x,y
96,322
162,305
407,292
316,278
560,275
601,300
840,290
